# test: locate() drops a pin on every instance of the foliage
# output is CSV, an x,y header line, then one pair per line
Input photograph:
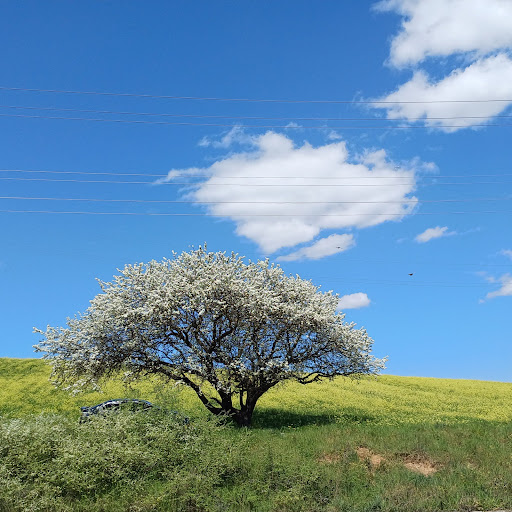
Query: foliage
x,y
207,317
301,455
48,461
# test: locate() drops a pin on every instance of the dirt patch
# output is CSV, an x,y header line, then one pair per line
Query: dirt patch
x,y
419,464
412,461
329,458
374,459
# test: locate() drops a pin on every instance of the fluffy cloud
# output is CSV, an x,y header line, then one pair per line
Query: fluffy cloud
x,y
328,246
505,290
505,280
486,78
445,27
431,233
334,135
304,190
235,135
353,301
480,32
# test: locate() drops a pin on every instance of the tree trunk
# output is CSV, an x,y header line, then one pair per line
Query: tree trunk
x,y
243,417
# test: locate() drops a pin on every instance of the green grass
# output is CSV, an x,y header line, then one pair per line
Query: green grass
x,y
304,452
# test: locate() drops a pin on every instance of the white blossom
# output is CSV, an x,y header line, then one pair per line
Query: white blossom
x,y
209,317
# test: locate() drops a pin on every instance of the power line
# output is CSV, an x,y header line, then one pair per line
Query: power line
x,y
418,263
204,184
251,100
262,118
419,201
203,175
271,126
257,214
403,264
410,283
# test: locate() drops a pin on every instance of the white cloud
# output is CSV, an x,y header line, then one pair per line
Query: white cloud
x,y
431,233
477,31
426,167
505,290
506,252
328,246
353,301
334,135
487,78
235,135
439,28
179,173
307,194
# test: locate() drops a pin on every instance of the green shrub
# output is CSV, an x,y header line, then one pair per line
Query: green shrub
x,y
49,461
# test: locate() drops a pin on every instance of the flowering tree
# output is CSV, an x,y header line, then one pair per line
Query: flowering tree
x,y
204,317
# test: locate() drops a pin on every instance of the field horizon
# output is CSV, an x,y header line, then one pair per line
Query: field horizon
x,y
463,398
386,443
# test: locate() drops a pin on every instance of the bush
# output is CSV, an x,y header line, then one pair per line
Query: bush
x,y
48,462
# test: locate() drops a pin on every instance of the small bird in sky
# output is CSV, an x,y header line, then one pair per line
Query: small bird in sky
x,y
410,274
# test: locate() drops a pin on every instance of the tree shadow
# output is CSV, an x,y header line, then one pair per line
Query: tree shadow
x,y
277,418
354,415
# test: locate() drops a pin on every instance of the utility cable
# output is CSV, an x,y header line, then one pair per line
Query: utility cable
x,y
418,201
261,118
224,125
260,214
205,184
413,264
203,175
251,100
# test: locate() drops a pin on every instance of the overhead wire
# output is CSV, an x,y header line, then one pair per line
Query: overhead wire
x,y
408,125
408,283
230,125
237,214
251,100
403,264
262,118
418,263
205,175
271,126
204,184
418,201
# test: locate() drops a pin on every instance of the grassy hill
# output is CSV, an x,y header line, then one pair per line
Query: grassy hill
x,y
386,443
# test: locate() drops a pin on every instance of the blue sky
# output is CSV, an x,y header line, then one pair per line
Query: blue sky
x,y
383,153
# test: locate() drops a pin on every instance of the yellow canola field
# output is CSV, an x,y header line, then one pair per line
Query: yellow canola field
x,y
25,389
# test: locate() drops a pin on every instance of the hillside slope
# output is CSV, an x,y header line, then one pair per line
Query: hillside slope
x,y
394,444
25,389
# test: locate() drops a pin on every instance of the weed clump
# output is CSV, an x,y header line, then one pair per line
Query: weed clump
x,y
48,462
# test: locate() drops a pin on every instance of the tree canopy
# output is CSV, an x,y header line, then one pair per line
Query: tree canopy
x,y
208,317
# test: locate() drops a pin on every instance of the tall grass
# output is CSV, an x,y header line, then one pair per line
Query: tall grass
x,y
335,446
